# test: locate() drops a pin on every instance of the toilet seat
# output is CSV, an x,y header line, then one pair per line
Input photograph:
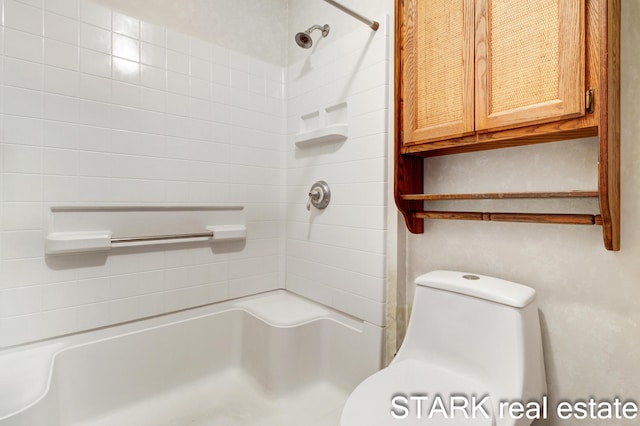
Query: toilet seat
x,y
371,402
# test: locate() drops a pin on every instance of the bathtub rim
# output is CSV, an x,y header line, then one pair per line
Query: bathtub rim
x,y
58,345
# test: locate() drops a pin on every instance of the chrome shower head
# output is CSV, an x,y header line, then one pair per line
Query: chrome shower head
x,y
304,39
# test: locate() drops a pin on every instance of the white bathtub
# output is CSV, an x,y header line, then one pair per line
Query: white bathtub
x,y
272,359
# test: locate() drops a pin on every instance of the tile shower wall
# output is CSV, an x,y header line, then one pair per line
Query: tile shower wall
x,y
99,107
337,256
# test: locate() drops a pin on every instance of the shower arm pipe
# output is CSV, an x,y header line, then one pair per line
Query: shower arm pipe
x,y
374,25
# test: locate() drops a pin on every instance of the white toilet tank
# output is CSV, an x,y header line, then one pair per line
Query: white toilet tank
x,y
470,338
482,327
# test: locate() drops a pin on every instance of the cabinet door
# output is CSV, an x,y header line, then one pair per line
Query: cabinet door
x,y
437,71
530,62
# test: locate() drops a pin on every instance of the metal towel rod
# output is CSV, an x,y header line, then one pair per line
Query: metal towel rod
x,y
374,25
162,237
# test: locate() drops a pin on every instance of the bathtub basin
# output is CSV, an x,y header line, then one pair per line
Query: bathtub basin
x,y
271,359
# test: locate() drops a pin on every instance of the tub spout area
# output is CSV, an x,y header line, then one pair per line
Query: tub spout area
x,y
247,354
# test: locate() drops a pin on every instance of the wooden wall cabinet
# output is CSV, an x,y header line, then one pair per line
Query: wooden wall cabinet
x,y
484,74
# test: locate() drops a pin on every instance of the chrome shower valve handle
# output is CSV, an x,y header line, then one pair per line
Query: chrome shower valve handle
x,y
314,196
319,195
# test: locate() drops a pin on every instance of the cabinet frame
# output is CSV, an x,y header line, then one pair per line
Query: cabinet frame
x,y
602,74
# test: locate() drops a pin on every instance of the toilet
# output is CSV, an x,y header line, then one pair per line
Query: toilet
x,y
472,355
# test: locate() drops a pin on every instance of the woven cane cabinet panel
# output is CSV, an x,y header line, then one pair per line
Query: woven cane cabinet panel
x,y
529,62
439,69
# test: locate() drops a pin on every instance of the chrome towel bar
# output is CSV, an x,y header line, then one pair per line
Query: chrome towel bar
x,y
161,237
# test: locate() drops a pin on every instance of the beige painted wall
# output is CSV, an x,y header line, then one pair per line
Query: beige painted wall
x,y
589,298
255,28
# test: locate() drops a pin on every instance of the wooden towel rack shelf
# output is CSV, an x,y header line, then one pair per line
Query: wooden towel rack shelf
x,y
499,195
559,218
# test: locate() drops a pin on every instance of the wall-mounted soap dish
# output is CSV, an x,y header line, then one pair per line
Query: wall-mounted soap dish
x,y
328,124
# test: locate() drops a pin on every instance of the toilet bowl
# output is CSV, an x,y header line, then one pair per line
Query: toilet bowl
x,y
472,355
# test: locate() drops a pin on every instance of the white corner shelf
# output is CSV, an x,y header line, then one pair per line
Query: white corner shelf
x,y
333,133
325,125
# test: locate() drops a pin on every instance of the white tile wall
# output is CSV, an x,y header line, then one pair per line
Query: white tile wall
x,y
337,256
99,107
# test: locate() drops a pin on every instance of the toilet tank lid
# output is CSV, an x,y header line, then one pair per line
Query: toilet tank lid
x,y
480,286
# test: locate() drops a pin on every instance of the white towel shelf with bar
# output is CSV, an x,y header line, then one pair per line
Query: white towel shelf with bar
x,y
93,228
79,242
